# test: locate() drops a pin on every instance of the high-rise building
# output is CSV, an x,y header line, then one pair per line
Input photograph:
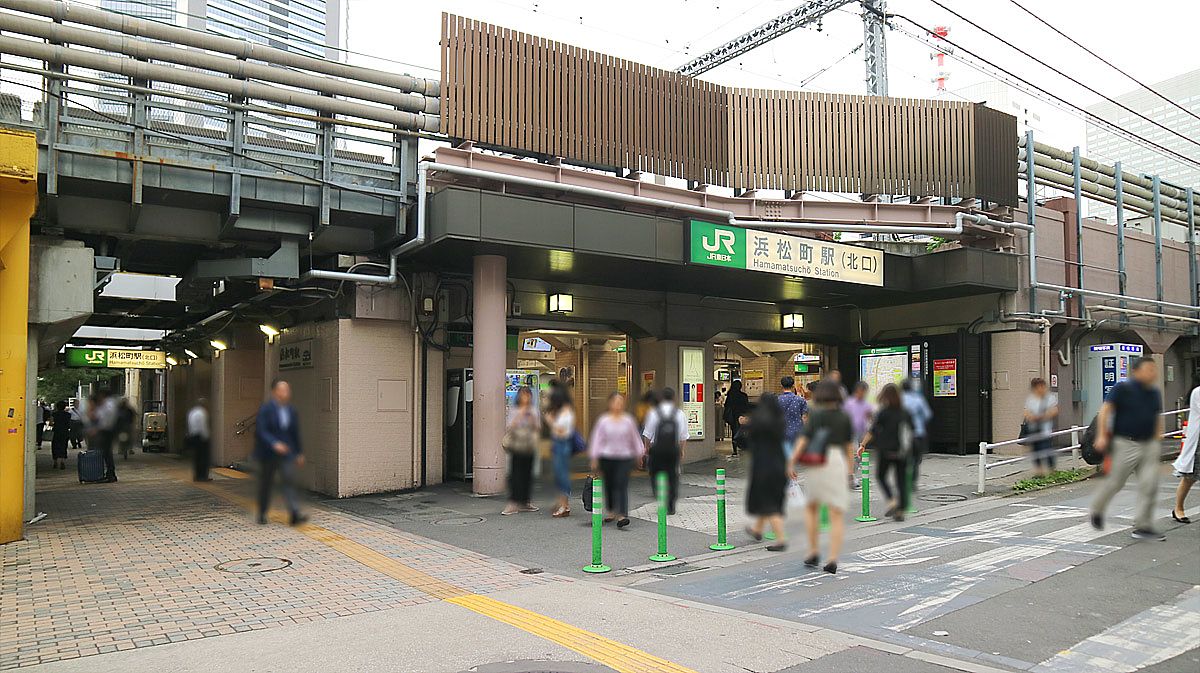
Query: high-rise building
x,y
1104,145
312,27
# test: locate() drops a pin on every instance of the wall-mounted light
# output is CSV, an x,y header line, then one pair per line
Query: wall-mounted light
x,y
172,361
562,303
270,331
218,346
792,320
191,354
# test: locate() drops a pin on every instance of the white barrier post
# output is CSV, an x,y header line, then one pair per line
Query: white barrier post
x,y
1075,443
982,467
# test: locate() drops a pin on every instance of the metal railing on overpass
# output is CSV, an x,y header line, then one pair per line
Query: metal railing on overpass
x,y
1075,433
94,82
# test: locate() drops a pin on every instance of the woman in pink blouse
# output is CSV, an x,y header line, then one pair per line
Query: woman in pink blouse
x,y
616,444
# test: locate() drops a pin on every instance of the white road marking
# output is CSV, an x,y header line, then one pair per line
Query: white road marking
x,y
1145,639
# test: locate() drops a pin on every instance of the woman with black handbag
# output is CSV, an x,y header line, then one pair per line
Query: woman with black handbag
x,y
520,441
890,442
824,446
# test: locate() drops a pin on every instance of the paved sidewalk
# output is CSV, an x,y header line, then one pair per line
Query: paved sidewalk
x,y
137,563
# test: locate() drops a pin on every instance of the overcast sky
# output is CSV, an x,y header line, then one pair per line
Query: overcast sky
x,y
1152,40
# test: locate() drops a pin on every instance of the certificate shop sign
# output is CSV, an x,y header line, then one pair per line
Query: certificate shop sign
x,y
753,250
296,355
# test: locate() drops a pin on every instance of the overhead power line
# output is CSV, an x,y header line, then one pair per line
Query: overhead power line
x,y
950,47
1066,76
1100,58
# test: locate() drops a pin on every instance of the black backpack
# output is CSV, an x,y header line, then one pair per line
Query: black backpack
x,y
666,436
1087,445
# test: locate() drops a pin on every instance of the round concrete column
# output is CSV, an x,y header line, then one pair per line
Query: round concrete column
x,y
488,358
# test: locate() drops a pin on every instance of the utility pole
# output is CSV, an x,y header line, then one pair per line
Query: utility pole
x,y
875,46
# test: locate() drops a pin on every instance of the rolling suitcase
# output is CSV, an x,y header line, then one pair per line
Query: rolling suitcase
x,y
91,467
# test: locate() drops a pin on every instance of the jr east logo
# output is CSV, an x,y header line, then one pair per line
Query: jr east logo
x,y
721,239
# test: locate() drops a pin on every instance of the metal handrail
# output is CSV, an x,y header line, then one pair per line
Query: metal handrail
x,y
984,466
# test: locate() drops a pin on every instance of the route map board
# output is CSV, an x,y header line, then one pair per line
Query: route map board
x,y
881,366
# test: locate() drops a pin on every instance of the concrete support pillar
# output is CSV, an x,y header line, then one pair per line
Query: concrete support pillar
x,y
18,197
488,362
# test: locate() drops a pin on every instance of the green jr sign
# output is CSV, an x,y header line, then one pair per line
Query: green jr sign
x,y
87,357
797,256
717,245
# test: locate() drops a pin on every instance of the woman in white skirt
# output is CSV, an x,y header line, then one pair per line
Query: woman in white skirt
x,y
1187,466
824,446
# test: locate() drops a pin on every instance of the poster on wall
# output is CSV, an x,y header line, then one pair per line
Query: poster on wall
x,y
752,382
647,381
945,378
622,385
691,378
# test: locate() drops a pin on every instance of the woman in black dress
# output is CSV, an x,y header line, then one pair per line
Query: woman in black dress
x,y
61,418
768,470
737,404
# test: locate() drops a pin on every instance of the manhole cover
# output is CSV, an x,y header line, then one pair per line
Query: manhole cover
x,y
531,571
458,521
540,667
254,565
942,497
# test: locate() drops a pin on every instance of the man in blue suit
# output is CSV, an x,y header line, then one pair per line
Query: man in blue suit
x,y
277,449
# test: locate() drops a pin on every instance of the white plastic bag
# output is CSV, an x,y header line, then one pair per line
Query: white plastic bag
x,y
796,500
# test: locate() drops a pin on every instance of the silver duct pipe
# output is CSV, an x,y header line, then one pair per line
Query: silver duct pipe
x,y
238,88
393,275
145,49
98,18
1103,180
1096,166
1053,178
1109,295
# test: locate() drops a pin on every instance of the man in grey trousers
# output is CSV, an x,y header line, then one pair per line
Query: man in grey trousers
x,y
1129,430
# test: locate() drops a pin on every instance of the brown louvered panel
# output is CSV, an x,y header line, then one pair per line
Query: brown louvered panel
x,y
507,89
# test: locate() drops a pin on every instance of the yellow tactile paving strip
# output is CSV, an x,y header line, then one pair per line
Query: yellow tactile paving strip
x,y
618,656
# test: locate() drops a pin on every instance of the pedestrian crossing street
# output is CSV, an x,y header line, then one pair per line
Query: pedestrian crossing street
x,y
887,590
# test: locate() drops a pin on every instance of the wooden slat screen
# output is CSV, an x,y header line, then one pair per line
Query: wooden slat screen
x,y
519,92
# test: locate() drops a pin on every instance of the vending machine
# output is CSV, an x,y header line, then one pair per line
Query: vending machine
x,y
1104,366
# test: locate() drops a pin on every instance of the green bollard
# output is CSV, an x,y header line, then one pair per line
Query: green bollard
x,y
597,566
866,489
824,518
662,555
722,541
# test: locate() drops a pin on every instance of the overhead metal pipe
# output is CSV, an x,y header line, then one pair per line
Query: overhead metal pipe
x,y
238,88
1153,314
1103,179
418,239
1098,192
240,68
1093,165
1109,295
99,18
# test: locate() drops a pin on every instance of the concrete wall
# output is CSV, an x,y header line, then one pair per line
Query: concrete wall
x,y
185,384
1015,360
315,396
376,451
662,356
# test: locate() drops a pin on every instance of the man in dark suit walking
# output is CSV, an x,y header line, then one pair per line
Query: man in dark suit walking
x,y
277,449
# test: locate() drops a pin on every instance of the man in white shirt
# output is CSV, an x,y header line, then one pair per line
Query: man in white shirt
x,y
665,433
199,440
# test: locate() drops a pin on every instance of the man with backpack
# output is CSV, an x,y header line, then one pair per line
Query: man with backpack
x,y
665,432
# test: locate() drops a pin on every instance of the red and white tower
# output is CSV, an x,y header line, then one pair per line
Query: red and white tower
x,y
939,57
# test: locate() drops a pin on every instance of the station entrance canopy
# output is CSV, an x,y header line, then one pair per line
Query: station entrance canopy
x,y
509,90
